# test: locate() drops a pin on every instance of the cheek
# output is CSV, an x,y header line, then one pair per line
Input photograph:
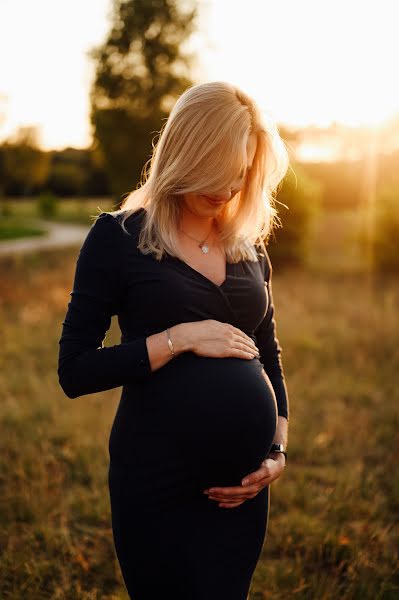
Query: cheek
x,y
192,200
199,205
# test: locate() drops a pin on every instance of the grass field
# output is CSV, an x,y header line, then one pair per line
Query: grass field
x,y
333,529
68,210
12,228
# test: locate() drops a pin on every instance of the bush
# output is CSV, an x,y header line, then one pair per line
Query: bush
x,y
290,243
386,230
47,204
68,179
6,209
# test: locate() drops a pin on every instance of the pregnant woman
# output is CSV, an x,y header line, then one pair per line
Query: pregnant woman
x,y
204,405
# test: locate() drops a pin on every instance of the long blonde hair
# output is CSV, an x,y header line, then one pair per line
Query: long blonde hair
x,y
201,149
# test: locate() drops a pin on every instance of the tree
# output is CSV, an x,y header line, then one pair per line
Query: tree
x,y
25,165
301,197
140,72
386,230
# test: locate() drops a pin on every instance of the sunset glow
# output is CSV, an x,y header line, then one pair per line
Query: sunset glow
x,y
305,62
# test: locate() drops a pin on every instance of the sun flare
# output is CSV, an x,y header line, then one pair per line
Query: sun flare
x,y
305,62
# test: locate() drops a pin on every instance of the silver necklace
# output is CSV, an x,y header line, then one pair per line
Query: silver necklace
x,y
201,244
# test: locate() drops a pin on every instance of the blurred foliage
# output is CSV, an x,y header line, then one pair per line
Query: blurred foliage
x,y
290,243
24,166
67,178
386,230
6,209
343,182
76,172
26,170
13,227
47,204
141,70
340,181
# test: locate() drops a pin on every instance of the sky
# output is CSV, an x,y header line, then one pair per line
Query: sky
x,y
305,62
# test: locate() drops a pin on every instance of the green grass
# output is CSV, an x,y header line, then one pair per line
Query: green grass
x,y
333,528
12,228
68,210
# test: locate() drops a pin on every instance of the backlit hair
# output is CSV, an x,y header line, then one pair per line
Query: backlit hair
x,y
201,149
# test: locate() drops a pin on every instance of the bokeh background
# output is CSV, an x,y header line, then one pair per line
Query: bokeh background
x,y
85,87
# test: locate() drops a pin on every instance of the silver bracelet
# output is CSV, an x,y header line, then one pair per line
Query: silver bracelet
x,y
170,344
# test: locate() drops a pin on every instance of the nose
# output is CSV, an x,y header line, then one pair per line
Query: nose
x,y
222,197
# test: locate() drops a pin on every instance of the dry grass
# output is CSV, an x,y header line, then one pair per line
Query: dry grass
x,y
333,512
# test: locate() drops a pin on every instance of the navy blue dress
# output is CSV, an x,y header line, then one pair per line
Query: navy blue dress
x,y
194,423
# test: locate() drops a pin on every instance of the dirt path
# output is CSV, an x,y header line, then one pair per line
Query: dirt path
x,y
58,235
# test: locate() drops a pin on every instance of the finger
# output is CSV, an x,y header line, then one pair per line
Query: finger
x,y
246,348
243,337
243,352
230,505
262,473
250,493
222,498
229,491
247,342
246,337
243,492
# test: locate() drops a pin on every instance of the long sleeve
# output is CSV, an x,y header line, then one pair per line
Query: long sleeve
x,y
85,366
269,346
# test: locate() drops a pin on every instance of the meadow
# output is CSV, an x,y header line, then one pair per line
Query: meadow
x,y
66,210
333,526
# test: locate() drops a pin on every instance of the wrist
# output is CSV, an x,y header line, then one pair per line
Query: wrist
x,y
278,456
178,335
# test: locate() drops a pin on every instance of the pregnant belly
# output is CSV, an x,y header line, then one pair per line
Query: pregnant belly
x,y
222,411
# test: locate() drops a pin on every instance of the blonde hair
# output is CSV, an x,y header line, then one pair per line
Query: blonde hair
x,y
201,149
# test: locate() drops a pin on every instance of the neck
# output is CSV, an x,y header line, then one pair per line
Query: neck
x,y
198,227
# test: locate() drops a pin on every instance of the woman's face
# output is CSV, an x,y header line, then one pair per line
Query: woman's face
x,y
208,206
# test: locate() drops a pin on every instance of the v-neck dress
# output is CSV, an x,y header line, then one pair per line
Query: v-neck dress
x,y
194,423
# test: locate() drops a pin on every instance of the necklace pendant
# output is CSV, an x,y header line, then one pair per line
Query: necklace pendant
x,y
205,249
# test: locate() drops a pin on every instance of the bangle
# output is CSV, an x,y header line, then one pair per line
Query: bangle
x,y
170,344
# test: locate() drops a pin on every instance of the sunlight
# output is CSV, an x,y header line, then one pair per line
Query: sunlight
x,y
308,63
46,79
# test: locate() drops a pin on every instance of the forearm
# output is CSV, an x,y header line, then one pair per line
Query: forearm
x,y
280,437
271,355
86,368
159,352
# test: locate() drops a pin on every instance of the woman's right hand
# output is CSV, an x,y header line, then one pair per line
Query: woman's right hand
x,y
217,339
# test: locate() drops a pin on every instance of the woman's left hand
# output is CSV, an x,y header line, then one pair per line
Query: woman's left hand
x,y
229,497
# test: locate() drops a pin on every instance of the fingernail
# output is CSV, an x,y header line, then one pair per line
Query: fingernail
x,y
245,481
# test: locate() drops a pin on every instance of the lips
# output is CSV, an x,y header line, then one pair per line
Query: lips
x,y
212,201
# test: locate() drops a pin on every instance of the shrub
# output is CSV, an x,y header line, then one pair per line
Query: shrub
x,y
6,209
386,230
290,243
47,204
